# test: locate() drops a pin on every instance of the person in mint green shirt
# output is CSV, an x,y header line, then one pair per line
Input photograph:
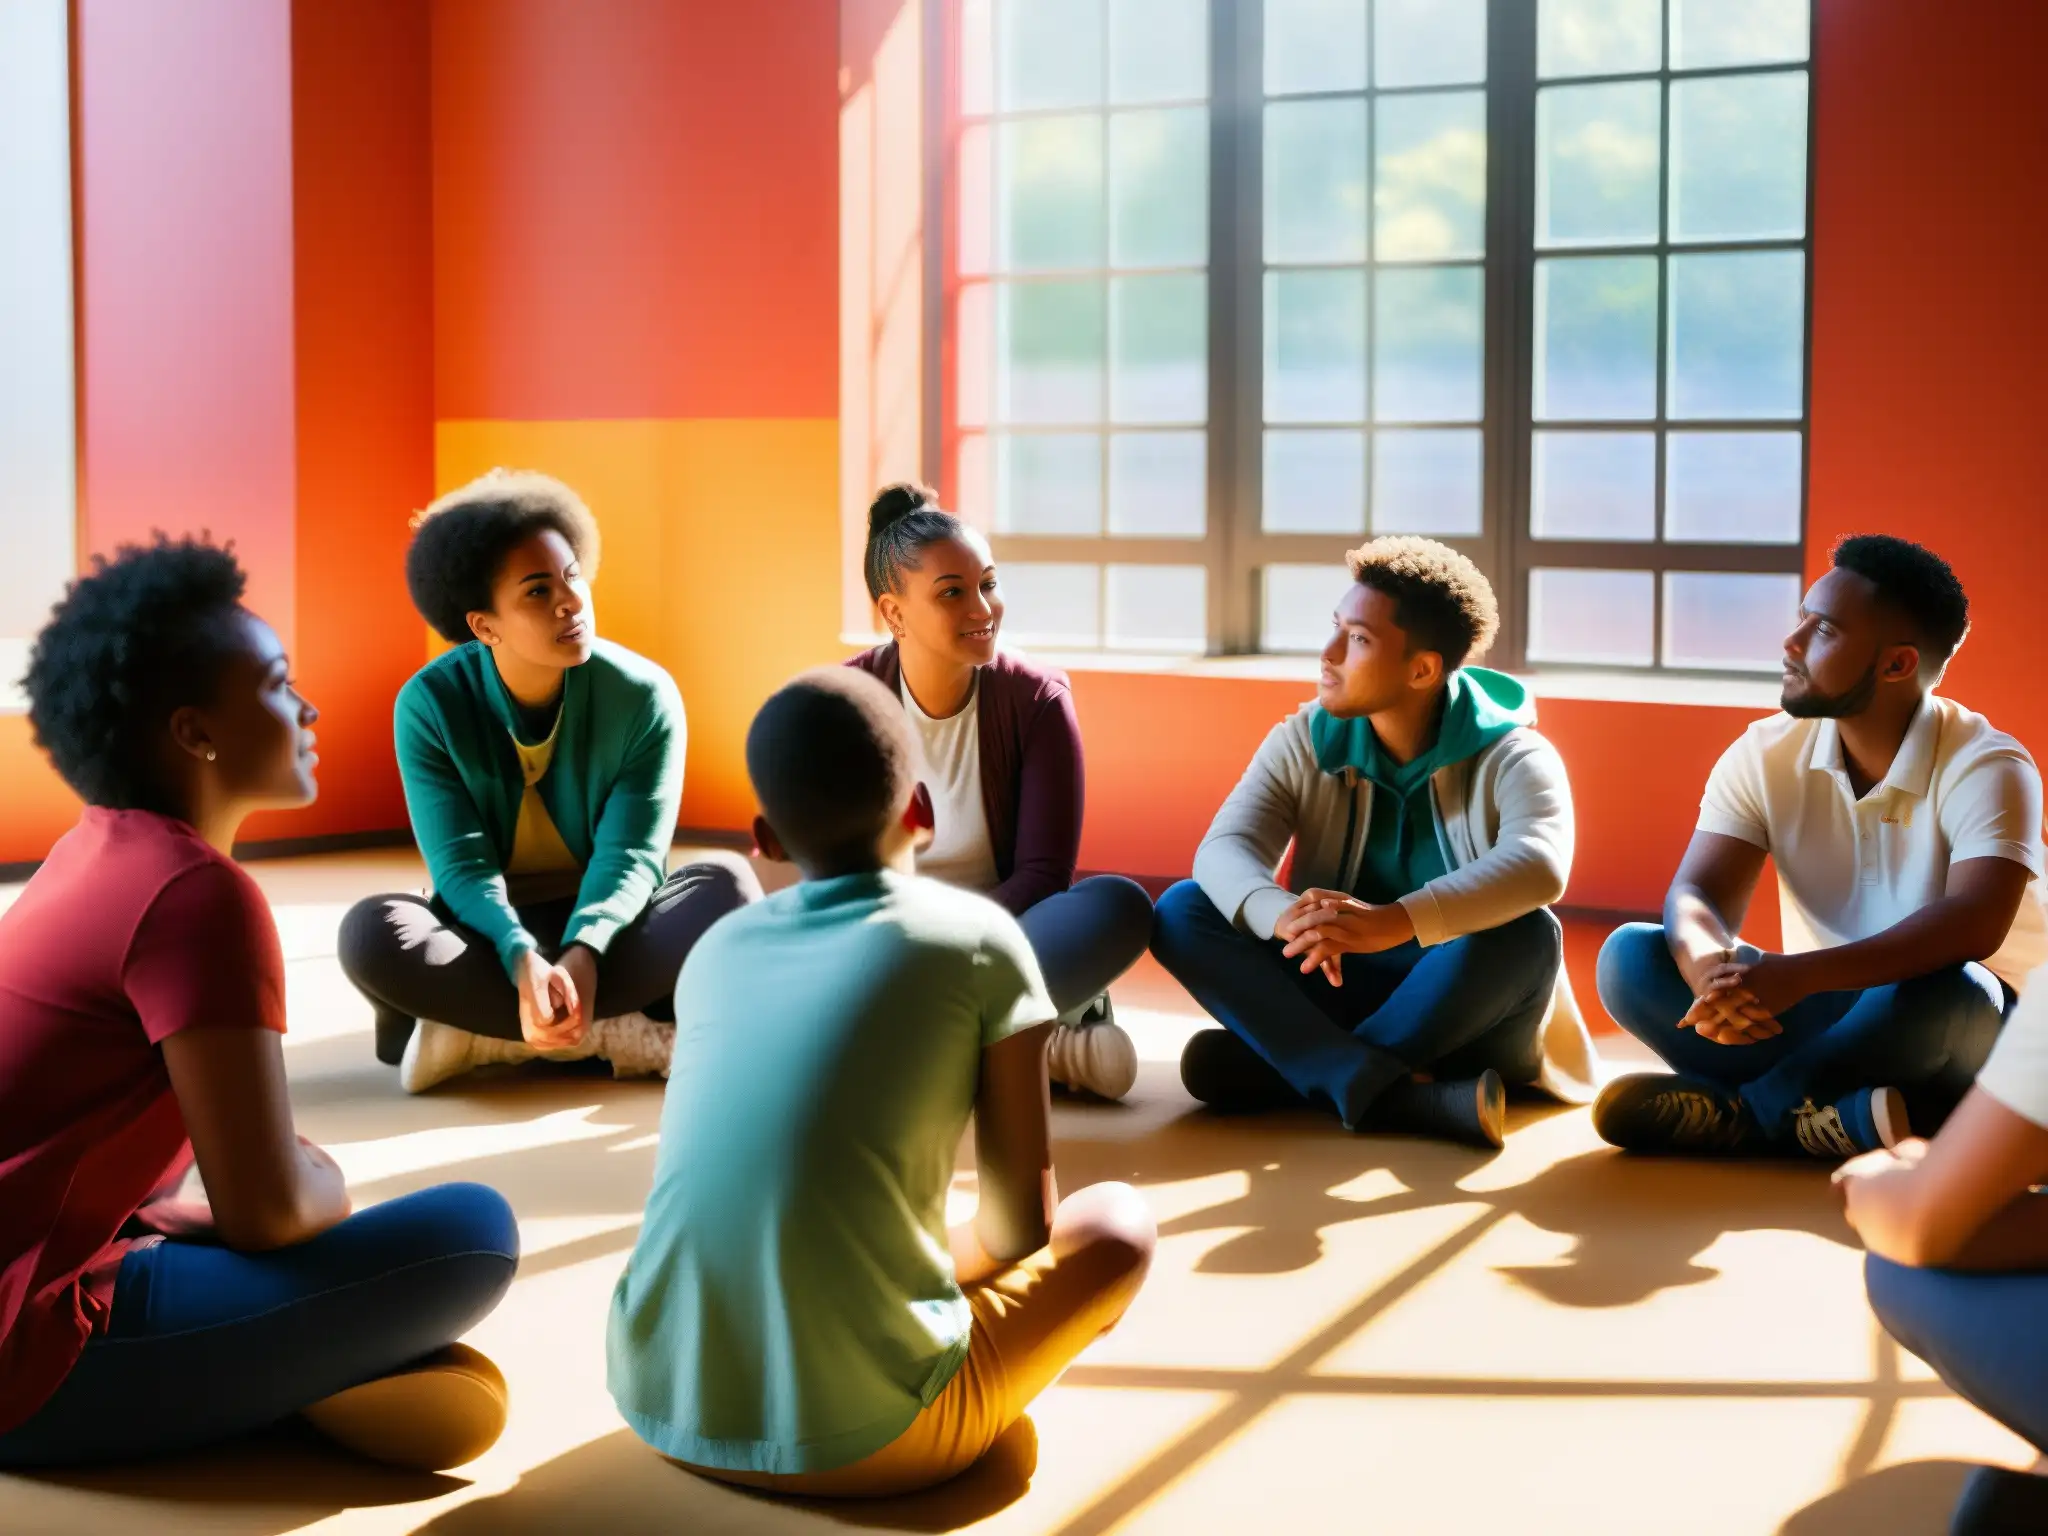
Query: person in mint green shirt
x,y
1404,967
797,1314
543,771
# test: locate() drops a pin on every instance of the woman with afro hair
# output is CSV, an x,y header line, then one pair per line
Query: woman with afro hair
x,y
177,1265
543,769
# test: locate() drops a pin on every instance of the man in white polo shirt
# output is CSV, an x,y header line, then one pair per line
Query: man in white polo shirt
x,y
1906,833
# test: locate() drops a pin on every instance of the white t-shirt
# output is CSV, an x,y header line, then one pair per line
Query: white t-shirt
x,y
949,764
1850,868
2017,1073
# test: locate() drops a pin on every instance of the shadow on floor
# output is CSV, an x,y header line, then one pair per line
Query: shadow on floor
x,y
618,1486
1913,1498
261,1485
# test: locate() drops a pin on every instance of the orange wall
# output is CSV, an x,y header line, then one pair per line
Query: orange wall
x,y
255,344
636,278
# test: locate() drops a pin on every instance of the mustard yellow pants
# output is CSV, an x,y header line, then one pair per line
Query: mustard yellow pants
x,y
1030,1322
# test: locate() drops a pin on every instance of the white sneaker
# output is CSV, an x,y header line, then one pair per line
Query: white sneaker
x,y
1095,1057
634,1044
437,1052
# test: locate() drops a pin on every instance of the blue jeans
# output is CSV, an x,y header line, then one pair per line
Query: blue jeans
x,y
1455,1008
1981,1331
1926,1037
1087,936
205,1343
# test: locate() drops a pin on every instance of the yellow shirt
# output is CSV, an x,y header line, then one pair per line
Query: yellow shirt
x,y
541,867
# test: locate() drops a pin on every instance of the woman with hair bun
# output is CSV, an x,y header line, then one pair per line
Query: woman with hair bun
x,y
999,749
177,1264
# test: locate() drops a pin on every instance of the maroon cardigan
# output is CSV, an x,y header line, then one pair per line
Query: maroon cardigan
x,y
1031,778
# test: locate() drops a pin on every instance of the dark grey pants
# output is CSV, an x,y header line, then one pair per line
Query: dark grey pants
x,y
411,964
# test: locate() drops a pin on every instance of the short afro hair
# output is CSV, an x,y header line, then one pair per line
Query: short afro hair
x,y
142,635
829,754
459,544
1440,598
1916,583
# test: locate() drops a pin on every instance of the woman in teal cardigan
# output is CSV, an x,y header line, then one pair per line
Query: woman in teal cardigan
x,y
543,768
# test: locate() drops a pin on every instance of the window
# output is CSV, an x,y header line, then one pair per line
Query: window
x,y
38,516
1230,285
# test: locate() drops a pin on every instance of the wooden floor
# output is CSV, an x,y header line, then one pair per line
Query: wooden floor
x,y
1341,1334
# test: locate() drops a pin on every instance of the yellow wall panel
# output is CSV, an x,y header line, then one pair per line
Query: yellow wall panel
x,y
721,560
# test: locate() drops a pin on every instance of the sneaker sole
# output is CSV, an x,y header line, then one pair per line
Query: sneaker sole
x,y
447,1410
1888,1114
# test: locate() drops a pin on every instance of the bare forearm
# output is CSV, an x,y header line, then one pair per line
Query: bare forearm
x,y
1939,936
2015,1238
1698,934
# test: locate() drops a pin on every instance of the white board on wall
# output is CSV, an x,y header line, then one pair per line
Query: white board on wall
x,y
38,407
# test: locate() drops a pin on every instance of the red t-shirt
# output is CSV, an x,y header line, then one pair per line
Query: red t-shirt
x,y
132,930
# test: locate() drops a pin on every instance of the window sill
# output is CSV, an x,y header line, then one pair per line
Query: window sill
x,y
1617,687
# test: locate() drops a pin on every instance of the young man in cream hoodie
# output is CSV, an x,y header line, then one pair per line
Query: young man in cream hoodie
x,y
1411,966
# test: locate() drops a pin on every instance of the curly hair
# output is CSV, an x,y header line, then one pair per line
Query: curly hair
x,y
1916,582
461,541
142,635
902,520
1441,599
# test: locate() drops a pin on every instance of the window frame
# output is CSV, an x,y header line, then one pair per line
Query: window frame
x,y
1235,547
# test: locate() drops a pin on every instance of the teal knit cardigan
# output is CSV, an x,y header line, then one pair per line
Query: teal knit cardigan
x,y
613,788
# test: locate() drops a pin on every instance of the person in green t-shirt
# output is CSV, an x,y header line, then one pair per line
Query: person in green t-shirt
x,y
796,1315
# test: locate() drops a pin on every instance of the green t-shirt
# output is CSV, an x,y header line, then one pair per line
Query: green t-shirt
x,y
790,1305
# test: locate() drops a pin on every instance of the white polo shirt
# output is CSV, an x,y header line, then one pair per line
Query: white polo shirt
x,y
2017,1073
1850,868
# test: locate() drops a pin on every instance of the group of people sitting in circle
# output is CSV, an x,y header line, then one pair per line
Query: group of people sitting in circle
x,y
1369,925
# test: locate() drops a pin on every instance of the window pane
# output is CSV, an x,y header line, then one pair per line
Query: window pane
x,y
1159,348
1159,188
1049,482
1158,607
1158,50
1429,179
1429,42
1050,193
1315,181
1602,618
1597,164
1428,482
1706,34
1594,485
977,58
1726,620
974,489
1049,346
1158,484
1299,604
1314,45
974,355
1427,325
1315,346
1050,54
1733,487
977,204
1314,483
1598,37
1738,158
1737,335
1596,339
1054,606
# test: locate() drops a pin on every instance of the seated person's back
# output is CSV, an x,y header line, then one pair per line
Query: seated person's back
x,y
799,1304
797,1315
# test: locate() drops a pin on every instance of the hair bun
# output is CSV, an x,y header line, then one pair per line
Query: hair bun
x,y
893,503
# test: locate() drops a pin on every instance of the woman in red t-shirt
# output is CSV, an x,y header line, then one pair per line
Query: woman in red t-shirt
x,y
143,1310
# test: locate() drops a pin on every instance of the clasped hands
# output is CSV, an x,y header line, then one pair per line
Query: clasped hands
x,y
555,1000
1737,1002
1321,927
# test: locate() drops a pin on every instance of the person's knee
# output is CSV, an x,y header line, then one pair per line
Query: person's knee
x,y
1624,976
462,1218
366,932
1183,918
724,881
1111,1229
1126,910
1967,996
1899,1296
1532,943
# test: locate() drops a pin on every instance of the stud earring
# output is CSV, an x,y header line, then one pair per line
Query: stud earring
x,y
209,754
